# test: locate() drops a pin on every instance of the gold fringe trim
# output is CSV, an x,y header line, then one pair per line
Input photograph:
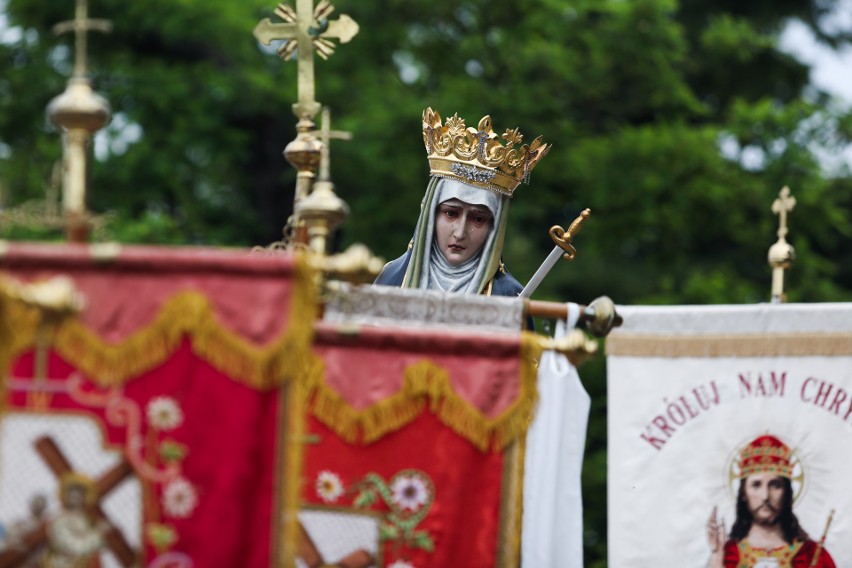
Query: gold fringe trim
x,y
187,314
427,383
730,345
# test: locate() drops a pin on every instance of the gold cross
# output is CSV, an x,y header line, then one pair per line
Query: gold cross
x,y
326,134
80,25
781,206
304,29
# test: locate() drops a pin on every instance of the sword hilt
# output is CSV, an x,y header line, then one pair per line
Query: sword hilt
x,y
563,238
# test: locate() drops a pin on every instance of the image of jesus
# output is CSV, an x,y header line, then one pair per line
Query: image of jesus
x,y
766,532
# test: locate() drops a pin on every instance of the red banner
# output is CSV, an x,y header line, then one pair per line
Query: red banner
x,y
148,431
410,458
165,424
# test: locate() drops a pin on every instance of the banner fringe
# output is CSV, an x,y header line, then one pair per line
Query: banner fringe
x,y
427,385
186,314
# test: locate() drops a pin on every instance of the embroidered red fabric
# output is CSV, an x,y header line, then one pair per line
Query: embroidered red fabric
x,y
229,435
250,292
452,514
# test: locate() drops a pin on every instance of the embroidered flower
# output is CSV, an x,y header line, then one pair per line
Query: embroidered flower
x,y
400,564
164,413
409,492
179,498
329,486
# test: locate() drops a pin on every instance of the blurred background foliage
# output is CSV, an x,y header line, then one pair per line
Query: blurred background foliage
x,y
676,122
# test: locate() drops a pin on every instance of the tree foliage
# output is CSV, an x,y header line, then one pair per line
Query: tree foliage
x,y
676,122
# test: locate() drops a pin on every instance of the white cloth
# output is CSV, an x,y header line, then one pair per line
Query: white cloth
x,y
447,277
552,529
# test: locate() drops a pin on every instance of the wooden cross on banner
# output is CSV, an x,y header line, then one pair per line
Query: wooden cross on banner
x,y
80,25
305,29
326,135
59,465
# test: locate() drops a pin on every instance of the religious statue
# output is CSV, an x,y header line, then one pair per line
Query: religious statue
x,y
458,240
75,536
766,532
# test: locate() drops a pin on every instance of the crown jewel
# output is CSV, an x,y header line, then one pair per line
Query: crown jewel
x,y
475,155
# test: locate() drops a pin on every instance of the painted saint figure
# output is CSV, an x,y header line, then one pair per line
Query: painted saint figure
x,y
766,532
74,536
458,240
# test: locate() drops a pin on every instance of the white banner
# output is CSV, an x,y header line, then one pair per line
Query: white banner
x,y
704,400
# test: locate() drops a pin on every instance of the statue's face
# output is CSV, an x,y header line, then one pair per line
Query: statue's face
x,y
764,493
461,229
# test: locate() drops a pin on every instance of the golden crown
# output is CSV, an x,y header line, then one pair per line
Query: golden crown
x,y
475,155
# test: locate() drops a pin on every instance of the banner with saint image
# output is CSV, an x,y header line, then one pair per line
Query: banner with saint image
x,y
148,429
730,436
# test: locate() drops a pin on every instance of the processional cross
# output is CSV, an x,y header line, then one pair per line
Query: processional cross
x,y
781,254
80,25
783,204
80,112
306,28
326,135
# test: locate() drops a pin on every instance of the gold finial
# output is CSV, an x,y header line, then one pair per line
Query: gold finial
x,y
80,25
80,112
306,28
781,254
356,265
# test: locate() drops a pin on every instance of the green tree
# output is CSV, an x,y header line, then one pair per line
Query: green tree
x,y
676,122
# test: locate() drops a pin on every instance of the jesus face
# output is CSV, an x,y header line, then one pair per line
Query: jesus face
x,y
461,229
764,494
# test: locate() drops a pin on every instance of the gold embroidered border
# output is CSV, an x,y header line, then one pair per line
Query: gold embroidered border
x,y
427,383
187,314
730,345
